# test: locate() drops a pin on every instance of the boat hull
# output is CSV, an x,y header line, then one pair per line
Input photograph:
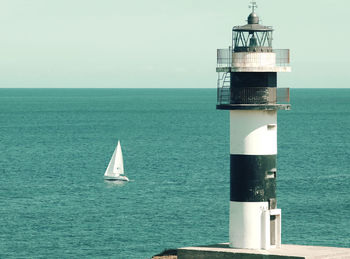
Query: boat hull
x,y
118,178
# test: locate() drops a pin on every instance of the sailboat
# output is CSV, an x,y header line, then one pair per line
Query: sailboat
x,y
115,169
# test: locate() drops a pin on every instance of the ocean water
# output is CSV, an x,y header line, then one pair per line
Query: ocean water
x,y
56,143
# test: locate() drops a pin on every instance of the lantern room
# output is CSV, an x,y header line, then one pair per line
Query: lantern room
x,y
252,37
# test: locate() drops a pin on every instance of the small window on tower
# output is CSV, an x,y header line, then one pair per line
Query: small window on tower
x,y
271,126
271,174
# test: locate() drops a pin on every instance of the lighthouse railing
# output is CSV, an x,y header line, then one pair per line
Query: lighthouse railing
x,y
224,58
282,57
252,95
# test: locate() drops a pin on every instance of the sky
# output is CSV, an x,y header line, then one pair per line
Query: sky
x,y
162,43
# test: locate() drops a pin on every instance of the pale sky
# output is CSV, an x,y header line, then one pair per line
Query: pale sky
x,y
162,43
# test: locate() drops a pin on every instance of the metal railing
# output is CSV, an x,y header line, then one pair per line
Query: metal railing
x,y
282,57
224,57
252,95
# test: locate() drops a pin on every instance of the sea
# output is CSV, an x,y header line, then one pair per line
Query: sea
x,y
56,144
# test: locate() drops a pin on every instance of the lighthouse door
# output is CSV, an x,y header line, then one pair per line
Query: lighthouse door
x,y
273,230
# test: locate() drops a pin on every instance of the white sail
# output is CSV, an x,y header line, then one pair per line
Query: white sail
x,y
115,166
118,168
109,170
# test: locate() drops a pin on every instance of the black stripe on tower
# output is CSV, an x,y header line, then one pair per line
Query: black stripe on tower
x,y
252,87
253,79
253,178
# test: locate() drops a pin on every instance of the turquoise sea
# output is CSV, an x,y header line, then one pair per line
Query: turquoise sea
x,y
56,144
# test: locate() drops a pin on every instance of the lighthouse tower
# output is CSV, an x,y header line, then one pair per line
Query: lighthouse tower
x,y
247,87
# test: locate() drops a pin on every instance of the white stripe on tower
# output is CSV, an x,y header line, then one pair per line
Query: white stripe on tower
x,y
253,132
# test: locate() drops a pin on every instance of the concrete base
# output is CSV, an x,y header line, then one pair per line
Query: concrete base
x,y
223,251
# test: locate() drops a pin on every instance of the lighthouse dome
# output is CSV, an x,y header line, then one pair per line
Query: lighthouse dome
x,y
253,18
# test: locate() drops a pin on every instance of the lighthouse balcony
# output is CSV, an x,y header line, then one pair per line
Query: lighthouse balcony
x,y
252,98
230,61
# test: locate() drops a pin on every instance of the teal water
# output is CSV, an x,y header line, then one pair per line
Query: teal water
x,y
56,144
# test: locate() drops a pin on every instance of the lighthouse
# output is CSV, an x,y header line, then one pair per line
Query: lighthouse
x,y
247,88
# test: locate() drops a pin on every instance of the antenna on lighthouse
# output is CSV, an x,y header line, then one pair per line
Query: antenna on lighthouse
x,y
253,5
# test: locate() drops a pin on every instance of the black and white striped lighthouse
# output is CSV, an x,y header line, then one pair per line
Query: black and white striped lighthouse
x,y
247,87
